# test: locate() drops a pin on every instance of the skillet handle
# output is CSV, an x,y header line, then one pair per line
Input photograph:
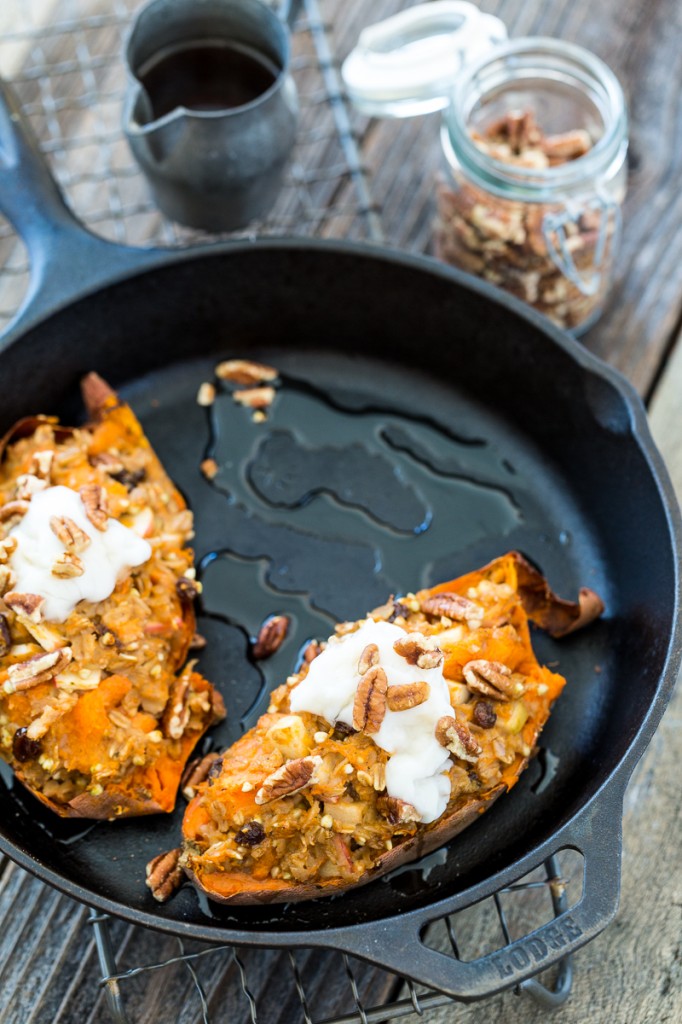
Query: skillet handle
x,y
66,259
597,834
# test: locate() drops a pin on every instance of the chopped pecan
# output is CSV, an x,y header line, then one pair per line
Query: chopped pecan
x,y
49,715
94,499
369,707
456,737
251,834
244,371
209,468
11,509
7,546
566,146
37,669
255,398
419,650
7,578
5,636
289,779
186,588
197,643
399,812
27,485
29,605
110,463
270,637
41,464
196,772
484,714
206,394
176,713
368,659
164,875
454,606
408,695
492,679
67,566
312,650
69,533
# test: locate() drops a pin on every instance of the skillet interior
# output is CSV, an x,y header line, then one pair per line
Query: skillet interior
x,y
546,461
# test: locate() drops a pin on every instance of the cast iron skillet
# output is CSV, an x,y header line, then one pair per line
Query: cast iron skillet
x,y
411,391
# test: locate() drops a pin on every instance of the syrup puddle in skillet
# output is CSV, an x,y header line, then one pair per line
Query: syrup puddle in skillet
x,y
330,488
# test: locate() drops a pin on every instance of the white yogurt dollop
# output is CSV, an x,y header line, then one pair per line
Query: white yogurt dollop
x,y
416,768
109,553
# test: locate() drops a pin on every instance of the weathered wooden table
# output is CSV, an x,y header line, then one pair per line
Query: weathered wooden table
x,y
64,56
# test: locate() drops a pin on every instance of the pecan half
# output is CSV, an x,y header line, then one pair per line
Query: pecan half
x,y
176,713
196,772
399,812
270,636
244,371
11,509
255,398
94,499
29,605
455,737
492,679
37,669
368,659
454,606
419,650
409,695
164,875
369,706
67,566
69,533
289,779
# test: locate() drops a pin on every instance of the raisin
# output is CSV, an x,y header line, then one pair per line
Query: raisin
x,y
5,637
251,834
485,714
398,611
215,769
186,589
342,730
130,478
23,748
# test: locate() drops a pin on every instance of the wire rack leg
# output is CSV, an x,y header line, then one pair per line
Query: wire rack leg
x,y
108,967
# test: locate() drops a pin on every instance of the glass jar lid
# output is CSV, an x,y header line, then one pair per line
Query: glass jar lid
x,y
407,64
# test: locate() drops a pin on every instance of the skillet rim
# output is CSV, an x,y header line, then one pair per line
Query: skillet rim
x,y
611,790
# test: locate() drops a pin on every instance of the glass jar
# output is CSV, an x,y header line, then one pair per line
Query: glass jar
x,y
510,208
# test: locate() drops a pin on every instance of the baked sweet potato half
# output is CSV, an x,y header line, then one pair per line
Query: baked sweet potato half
x,y
389,741
98,709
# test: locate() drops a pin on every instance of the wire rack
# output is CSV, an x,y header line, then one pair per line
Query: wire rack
x,y
64,59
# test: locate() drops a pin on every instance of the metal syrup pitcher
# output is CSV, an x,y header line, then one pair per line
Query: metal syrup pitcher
x,y
211,109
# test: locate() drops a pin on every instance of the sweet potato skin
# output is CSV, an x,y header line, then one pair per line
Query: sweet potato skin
x,y
534,600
